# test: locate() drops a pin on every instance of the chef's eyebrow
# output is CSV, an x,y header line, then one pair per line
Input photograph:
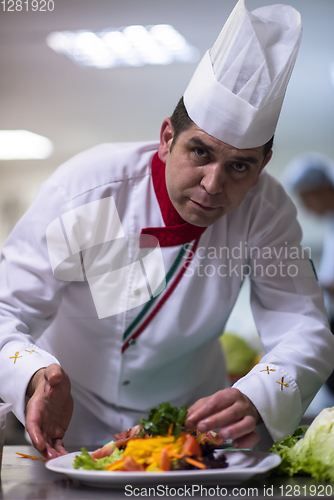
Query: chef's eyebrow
x,y
196,141
246,159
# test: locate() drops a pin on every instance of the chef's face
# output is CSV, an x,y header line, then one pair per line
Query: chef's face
x,y
320,200
205,177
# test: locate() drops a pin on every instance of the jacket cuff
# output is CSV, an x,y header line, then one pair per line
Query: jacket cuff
x,y
22,360
276,397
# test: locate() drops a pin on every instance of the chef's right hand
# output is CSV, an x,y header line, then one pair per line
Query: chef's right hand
x,y
49,410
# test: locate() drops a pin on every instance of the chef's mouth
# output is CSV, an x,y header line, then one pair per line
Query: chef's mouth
x,y
203,207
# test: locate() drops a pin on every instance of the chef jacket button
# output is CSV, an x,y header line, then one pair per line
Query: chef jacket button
x,y
132,342
137,292
126,382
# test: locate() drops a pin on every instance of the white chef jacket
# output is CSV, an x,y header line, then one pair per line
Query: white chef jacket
x,y
47,318
326,270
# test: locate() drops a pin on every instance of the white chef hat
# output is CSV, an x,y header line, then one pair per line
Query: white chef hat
x,y
309,171
237,90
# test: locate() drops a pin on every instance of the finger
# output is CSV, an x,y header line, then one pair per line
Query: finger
x,y
193,408
237,411
39,443
36,436
199,406
59,447
211,405
247,441
49,452
54,374
239,429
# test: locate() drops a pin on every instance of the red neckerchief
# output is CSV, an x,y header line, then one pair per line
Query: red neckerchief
x,y
177,231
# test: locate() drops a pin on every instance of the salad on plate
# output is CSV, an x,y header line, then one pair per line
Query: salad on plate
x,y
159,443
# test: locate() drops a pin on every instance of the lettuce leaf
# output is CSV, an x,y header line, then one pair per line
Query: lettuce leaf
x,y
85,461
282,448
311,454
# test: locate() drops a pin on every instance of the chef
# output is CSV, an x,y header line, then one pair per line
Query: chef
x,y
118,281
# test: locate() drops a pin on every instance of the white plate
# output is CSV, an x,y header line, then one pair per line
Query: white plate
x,y
241,466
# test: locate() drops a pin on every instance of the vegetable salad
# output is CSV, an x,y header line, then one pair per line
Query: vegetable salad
x,y
160,443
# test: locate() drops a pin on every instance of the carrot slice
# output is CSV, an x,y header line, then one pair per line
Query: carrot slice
x,y
116,465
32,457
191,461
164,460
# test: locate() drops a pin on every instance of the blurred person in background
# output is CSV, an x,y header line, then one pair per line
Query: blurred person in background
x,y
311,178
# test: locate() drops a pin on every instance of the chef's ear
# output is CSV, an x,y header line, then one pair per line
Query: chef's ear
x,y
265,162
166,139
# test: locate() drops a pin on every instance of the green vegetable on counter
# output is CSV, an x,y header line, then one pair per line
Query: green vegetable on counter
x,y
161,417
312,453
240,357
85,461
282,448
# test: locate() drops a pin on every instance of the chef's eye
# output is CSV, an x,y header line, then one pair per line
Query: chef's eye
x,y
201,155
200,152
240,167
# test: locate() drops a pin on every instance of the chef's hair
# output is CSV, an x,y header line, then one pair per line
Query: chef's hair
x,y
181,122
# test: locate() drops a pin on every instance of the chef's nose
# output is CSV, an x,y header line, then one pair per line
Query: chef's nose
x,y
213,178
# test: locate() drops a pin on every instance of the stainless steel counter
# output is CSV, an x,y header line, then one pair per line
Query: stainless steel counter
x,y
23,478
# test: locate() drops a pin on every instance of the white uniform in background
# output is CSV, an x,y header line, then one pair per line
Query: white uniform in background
x,y
310,172
177,357
326,270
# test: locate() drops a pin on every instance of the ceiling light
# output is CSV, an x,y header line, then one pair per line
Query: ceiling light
x,y
128,46
24,145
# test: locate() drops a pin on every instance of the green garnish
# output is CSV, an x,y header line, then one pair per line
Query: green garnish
x,y
282,448
313,452
161,417
85,461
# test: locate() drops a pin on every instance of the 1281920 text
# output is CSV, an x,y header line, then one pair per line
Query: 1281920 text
x,y
27,5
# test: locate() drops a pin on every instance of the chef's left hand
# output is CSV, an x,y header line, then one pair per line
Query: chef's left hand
x,y
232,412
